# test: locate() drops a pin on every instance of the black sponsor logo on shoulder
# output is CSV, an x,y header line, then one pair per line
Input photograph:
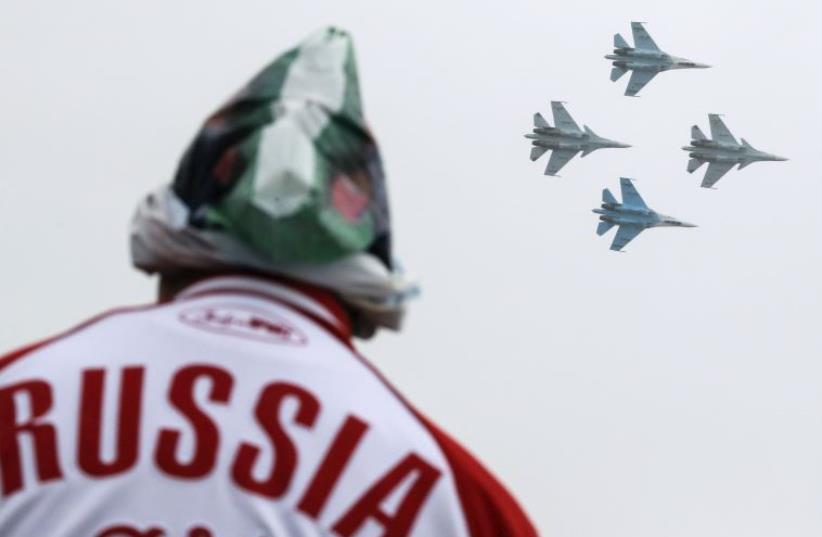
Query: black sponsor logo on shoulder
x,y
245,322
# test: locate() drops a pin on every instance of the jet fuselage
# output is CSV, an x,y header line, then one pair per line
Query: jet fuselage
x,y
650,60
711,151
553,138
641,60
619,215
712,144
636,53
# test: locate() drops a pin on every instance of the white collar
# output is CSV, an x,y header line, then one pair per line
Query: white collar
x,y
265,288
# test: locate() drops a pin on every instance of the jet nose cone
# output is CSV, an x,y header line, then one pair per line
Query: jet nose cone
x,y
615,144
780,159
682,62
687,224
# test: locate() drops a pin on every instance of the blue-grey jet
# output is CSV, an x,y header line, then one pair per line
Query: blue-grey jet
x,y
565,139
644,59
722,152
633,215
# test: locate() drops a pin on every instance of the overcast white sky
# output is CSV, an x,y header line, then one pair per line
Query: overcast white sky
x,y
673,390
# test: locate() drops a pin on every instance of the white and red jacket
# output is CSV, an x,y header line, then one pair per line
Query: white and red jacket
x,y
240,409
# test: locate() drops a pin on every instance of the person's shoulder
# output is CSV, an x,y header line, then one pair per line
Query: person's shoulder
x,y
28,349
489,509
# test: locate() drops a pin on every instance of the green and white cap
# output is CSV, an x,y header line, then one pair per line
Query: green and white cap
x,y
288,166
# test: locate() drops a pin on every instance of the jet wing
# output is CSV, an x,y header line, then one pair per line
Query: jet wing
x,y
638,81
642,40
625,234
559,158
630,197
719,132
562,119
715,172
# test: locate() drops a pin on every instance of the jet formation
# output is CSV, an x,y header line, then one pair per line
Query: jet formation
x,y
633,216
565,139
645,60
721,151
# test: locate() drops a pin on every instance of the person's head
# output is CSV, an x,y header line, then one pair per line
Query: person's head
x,y
285,178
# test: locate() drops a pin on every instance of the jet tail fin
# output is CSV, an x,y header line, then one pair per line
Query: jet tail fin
x,y
694,164
619,42
697,134
609,198
539,121
617,72
603,228
537,152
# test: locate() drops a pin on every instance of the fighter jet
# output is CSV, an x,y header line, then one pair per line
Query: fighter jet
x,y
645,59
632,216
721,151
566,139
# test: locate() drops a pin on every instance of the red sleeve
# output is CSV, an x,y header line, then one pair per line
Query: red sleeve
x,y
490,510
